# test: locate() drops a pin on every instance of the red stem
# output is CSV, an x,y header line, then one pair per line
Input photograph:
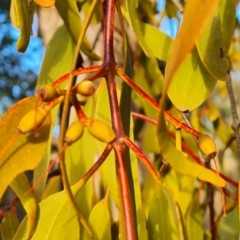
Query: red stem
x,y
109,58
168,116
75,73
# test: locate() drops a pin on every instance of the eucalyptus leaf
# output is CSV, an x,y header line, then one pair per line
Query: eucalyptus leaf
x,y
27,150
211,48
20,185
9,225
73,23
191,84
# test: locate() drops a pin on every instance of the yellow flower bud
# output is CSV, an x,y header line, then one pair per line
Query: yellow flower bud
x,y
100,130
207,145
46,93
74,132
85,88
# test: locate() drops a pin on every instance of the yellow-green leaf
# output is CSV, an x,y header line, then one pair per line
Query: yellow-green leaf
x,y
191,84
162,221
131,10
196,15
27,150
20,186
194,221
21,18
157,42
100,222
211,48
9,225
180,163
57,219
227,13
73,23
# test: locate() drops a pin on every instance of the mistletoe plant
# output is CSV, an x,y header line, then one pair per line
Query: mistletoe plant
x,y
100,134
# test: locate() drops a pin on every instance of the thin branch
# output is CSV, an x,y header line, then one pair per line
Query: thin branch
x,y
235,118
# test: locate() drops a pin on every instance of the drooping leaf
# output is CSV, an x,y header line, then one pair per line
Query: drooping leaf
x,y
227,13
21,19
196,15
211,48
194,221
100,221
73,23
179,162
191,84
27,150
9,225
162,222
20,186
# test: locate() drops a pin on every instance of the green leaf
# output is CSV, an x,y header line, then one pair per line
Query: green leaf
x,y
20,186
211,48
194,220
9,225
153,41
180,163
159,43
73,23
227,13
20,16
196,15
57,219
162,222
131,10
228,227
100,222
27,150
58,57
183,187
191,84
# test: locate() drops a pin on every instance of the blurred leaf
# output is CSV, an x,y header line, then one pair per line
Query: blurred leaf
x,y
99,220
183,188
211,48
52,187
9,225
27,150
228,227
98,12
20,186
194,220
191,84
162,223
227,13
73,23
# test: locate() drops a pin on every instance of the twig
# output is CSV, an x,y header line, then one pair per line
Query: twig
x,y
235,118
210,202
